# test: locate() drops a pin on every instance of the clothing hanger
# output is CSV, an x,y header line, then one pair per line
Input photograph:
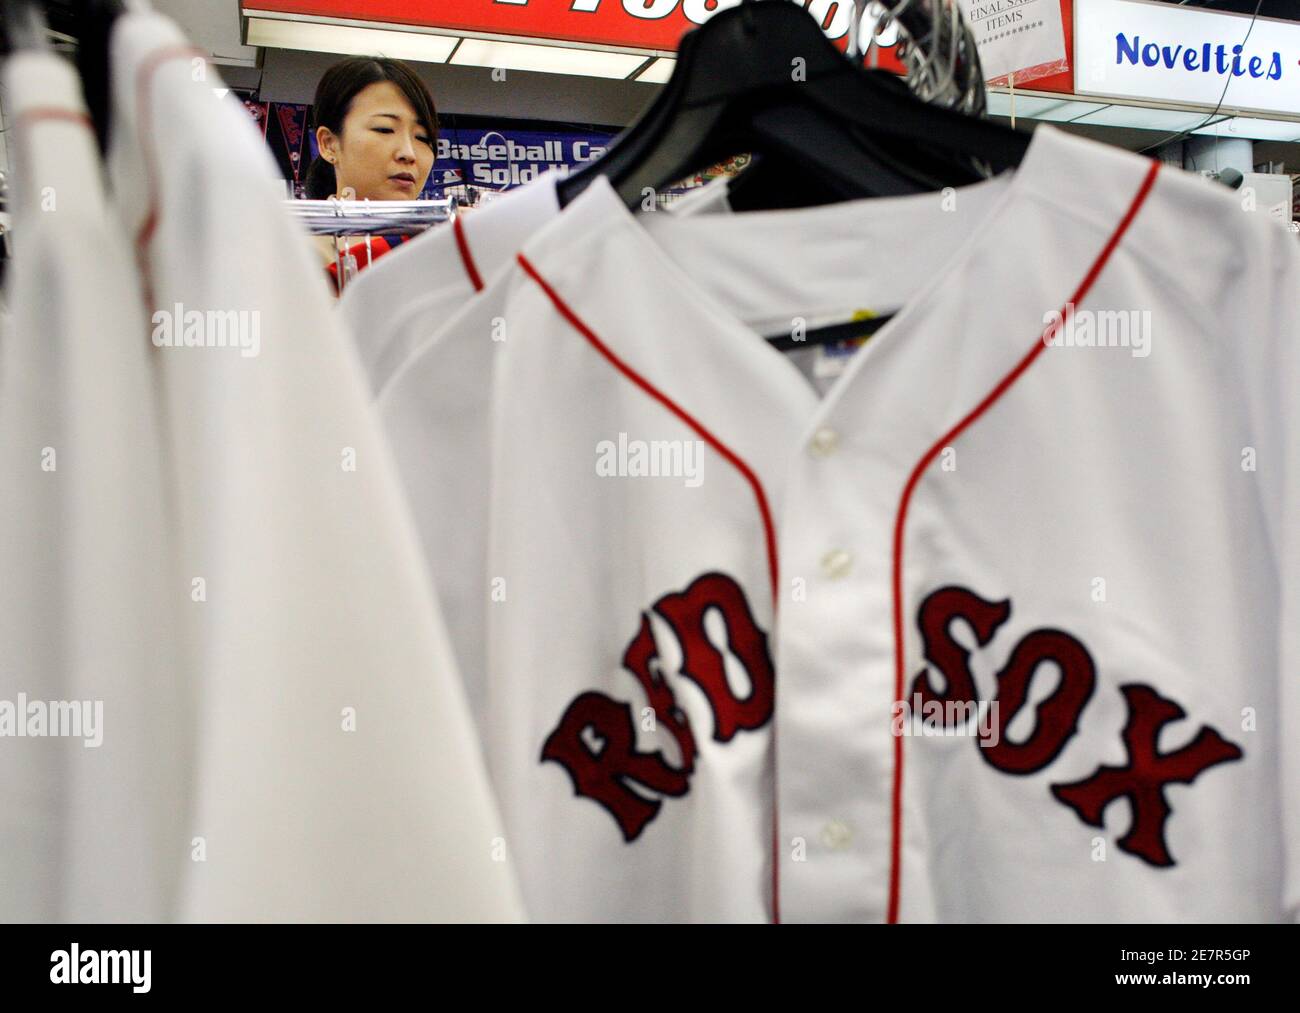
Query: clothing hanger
x,y
95,26
734,90
849,131
25,27
720,101
947,74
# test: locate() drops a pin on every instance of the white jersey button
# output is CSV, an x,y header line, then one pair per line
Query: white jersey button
x,y
836,564
824,442
836,835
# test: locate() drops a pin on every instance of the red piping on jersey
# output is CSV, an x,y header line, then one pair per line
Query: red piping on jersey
x,y
769,532
900,520
466,258
658,395
45,114
144,121
52,113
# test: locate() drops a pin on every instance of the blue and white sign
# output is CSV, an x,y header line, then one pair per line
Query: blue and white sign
x,y
504,159
1175,54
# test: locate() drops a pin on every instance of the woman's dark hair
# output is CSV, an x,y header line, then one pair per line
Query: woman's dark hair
x,y
337,88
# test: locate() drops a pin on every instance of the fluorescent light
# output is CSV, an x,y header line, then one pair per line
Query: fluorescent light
x,y
545,59
658,72
1254,129
1026,105
318,38
1143,118
1066,112
1140,117
1035,107
1070,112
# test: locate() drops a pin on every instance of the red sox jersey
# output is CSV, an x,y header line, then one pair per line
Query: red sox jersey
x,y
435,405
395,310
394,307
993,619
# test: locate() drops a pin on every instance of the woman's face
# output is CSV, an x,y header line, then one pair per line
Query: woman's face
x,y
384,153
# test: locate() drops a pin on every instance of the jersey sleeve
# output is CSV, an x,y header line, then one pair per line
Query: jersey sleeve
x,y
1288,337
1269,340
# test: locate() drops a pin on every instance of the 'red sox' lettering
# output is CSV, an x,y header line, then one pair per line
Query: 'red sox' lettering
x,y
605,774
607,770
1142,781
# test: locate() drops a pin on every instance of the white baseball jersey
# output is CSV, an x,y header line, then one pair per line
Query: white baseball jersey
x,y
436,406
88,687
395,307
335,771
711,198
997,624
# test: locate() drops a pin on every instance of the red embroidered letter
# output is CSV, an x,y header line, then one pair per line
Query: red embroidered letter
x,y
1142,781
945,654
1057,717
601,774
636,659
704,664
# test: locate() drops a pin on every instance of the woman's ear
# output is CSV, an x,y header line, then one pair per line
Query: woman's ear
x,y
328,144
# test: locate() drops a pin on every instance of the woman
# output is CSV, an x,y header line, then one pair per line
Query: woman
x,y
377,132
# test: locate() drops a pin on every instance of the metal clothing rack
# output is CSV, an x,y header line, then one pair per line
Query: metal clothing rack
x,y
937,50
336,217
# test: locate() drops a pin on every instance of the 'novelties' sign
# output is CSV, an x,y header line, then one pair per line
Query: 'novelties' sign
x,y
1134,49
